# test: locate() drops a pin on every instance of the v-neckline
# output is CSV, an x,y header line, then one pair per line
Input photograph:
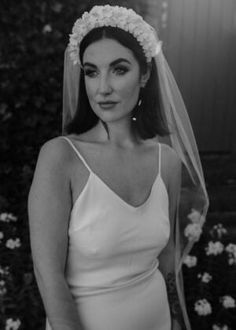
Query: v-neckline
x,y
118,197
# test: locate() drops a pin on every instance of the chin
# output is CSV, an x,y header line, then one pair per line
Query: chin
x,y
113,117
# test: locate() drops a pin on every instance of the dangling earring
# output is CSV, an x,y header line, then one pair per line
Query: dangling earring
x,y
139,104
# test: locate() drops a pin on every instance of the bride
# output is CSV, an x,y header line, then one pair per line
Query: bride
x,y
106,237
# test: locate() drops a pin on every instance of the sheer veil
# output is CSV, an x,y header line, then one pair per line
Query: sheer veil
x,y
193,202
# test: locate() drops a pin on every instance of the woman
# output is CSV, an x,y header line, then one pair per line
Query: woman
x,y
104,199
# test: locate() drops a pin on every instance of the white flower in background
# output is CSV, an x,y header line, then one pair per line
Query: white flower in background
x,y
164,15
190,261
205,277
4,271
3,288
12,325
217,327
228,302
193,231
196,217
202,307
7,217
57,7
47,29
214,248
219,229
231,250
164,4
1,236
13,243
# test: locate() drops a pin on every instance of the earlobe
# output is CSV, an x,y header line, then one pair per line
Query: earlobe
x,y
143,83
144,80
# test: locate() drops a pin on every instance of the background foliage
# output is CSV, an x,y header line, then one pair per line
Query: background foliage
x,y
210,278
33,37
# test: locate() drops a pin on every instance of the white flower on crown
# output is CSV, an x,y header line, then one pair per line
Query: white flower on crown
x,y
122,25
106,11
138,31
131,27
115,16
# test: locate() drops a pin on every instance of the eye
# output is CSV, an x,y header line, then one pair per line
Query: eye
x,y
121,70
90,73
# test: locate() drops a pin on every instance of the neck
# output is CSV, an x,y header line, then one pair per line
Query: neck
x,y
118,134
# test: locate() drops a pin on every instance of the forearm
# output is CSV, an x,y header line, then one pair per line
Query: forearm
x,y
59,305
175,309
168,270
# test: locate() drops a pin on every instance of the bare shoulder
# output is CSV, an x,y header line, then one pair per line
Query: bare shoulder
x,y
49,205
55,149
54,159
171,167
170,157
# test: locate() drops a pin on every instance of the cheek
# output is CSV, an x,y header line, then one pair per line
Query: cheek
x,y
90,88
130,90
126,88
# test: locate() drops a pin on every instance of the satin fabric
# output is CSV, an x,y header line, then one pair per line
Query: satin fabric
x,y
112,266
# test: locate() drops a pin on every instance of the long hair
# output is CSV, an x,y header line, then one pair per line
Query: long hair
x,y
149,121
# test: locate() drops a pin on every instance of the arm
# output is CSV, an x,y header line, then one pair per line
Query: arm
x,y
167,256
49,205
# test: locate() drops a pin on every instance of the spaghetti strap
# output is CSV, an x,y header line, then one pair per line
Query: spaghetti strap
x,y
159,167
77,153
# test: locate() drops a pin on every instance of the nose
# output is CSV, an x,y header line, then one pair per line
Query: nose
x,y
105,87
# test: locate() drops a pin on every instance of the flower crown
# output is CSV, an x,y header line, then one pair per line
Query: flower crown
x,y
115,16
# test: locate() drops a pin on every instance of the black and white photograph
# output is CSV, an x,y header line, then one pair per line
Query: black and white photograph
x,y
118,165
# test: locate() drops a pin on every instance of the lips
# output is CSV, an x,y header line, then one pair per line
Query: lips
x,y
107,104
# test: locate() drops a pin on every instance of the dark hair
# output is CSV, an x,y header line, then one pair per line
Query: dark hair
x,y
149,122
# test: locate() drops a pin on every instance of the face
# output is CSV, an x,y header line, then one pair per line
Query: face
x,y
112,79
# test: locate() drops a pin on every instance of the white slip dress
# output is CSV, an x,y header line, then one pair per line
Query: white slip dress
x,y
112,264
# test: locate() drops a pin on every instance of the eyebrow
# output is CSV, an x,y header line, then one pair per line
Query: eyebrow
x,y
111,64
